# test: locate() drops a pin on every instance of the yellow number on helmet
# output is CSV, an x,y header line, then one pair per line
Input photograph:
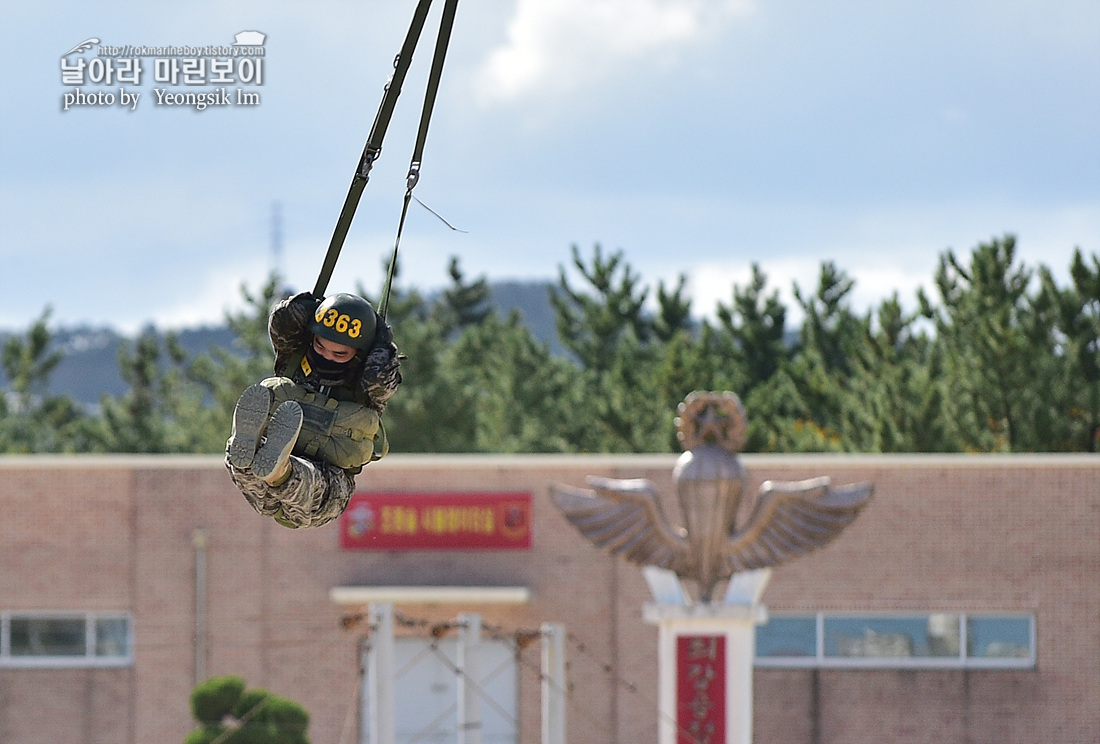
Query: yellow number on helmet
x,y
356,328
342,323
330,318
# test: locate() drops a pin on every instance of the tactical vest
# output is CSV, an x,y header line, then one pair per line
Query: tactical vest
x,y
342,432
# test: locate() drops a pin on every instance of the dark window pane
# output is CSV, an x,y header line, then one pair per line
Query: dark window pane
x,y
36,636
787,636
998,637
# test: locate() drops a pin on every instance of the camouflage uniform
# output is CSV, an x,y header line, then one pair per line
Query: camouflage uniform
x,y
315,493
318,491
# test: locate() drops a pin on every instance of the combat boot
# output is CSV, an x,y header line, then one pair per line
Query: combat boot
x,y
272,460
249,422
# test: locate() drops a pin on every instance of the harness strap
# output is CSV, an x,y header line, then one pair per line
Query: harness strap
x,y
371,152
373,147
381,443
442,40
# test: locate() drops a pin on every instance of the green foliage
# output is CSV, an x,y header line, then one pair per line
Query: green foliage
x,y
995,351
1073,315
894,395
753,329
229,713
219,376
999,358
28,362
32,420
592,323
673,311
140,421
520,397
432,411
831,332
216,698
463,304
603,324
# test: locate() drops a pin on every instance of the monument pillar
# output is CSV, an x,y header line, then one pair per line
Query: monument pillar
x,y
705,656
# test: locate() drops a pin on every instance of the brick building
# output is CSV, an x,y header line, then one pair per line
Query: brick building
x,y
962,606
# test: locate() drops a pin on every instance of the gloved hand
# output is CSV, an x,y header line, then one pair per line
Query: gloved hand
x,y
381,374
288,324
302,307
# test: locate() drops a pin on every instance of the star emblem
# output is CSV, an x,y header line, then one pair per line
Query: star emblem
x,y
714,418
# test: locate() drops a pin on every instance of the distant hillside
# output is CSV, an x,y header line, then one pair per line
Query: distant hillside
x,y
532,300
89,369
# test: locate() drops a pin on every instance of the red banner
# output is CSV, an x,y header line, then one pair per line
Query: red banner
x,y
437,521
701,689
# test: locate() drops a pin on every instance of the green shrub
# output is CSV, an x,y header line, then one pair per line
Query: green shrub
x,y
223,706
214,699
248,701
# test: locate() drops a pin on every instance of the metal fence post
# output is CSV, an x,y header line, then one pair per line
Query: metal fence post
x,y
469,701
378,678
553,683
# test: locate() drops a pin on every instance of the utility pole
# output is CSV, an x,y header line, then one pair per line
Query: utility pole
x,y
199,543
277,240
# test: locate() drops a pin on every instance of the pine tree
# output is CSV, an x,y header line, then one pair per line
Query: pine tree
x,y
31,419
462,304
524,399
1075,315
140,421
753,333
592,321
604,326
998,366
673,311
891,385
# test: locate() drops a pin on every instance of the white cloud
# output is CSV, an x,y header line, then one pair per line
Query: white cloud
x,y
875,280
554,47
711,282
218,292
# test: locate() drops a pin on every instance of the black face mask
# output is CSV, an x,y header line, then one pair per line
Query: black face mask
x,y
326,372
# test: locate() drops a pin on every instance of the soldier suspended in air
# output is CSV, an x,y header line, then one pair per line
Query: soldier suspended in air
x,y
299,440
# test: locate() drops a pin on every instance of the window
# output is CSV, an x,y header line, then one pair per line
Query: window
x,y
909,640
1003,638
65,639
786,637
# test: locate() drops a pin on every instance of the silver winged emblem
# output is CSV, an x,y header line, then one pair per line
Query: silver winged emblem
x,y
788,519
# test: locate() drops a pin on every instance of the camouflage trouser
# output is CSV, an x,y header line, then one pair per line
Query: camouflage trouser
x,y
315,493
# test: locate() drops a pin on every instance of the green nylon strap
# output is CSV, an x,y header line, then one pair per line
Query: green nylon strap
x,y
446,24
371,151
381,443
373,147
281,519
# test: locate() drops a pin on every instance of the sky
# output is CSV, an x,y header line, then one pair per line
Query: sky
x,y
697,137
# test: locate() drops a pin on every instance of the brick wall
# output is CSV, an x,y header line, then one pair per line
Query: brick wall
x,y
943,533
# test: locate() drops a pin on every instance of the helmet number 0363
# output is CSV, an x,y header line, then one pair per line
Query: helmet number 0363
x,y
341,322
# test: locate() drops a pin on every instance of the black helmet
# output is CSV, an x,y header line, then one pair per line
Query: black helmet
x,y
346,319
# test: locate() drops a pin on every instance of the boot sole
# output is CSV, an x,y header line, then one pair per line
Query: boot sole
x,y
282,433
249,422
